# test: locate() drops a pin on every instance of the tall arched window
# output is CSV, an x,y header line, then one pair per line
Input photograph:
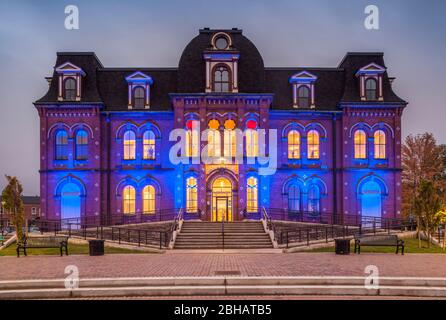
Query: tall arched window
x,y
61,145
214,139
222,79
294,198
191,195
252,195
294,144
129,145
129,200
148,200
303,97
313,144
81,145
380,144
230,139
360,144
371,89
252,139
70,89
314,199
148,145
192,143
139,97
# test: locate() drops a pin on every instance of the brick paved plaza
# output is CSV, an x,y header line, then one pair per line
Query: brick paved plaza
x,y
202,264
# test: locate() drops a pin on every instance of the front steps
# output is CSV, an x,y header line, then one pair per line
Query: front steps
x,y
208,235
223,286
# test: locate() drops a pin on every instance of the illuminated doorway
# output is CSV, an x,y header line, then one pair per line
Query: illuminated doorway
x,y
71,203
221,200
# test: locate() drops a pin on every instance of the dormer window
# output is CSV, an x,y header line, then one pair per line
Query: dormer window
x,y
139,90
370,82
371,89
303,90
221,65
69,89
70,80
139,98
222,79
303,97
221,41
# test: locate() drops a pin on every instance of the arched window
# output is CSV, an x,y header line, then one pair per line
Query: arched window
x,y
70,89
294,198
81,145
61,145
314,199
252,195
129,145
149,145
148,200
360,144
303,97
129,200
371,89
221,79
230,139
192,143
214,139
313,144
380,144
252,139
294,144
191,195
139,97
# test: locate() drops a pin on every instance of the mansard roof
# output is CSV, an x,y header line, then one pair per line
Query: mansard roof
x,y
333,86
352,63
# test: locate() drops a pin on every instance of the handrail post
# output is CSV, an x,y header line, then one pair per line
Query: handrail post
x,y
308,237
139,238
119,235
326,235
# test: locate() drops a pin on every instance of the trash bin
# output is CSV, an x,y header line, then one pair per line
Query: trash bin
x,y
342,246
96,247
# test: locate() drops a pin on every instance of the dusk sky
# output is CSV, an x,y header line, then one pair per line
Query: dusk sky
x,y
154,33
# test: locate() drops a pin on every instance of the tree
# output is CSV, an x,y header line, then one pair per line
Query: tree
x,y
12,198
422,159
427,205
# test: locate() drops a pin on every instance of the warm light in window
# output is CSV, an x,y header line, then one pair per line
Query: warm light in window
x,y
360,144
148,195
313,144
129,200
293,145
380,144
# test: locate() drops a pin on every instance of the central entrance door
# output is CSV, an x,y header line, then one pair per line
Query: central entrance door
x,y
222,209
221,200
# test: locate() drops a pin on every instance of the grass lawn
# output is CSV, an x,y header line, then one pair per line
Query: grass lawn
x,y
72,249
411,246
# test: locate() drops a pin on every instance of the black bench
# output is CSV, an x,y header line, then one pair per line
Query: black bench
x,y
44,243
380,241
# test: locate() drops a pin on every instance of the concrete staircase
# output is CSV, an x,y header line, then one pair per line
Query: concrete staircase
x,y
208,235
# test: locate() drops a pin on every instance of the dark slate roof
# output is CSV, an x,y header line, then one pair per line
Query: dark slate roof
x,y
354,61
114,89
191,70
108,86
328,86
89,63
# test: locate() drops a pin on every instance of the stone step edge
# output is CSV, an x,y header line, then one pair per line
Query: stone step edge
x,y
221,280
224,290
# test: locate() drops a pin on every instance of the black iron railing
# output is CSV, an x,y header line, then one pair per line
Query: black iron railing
x,y
317,227
147,235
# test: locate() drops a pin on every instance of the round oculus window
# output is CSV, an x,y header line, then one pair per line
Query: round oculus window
x,y
221,43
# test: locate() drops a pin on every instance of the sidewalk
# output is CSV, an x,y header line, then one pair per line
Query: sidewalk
x,y
212,264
